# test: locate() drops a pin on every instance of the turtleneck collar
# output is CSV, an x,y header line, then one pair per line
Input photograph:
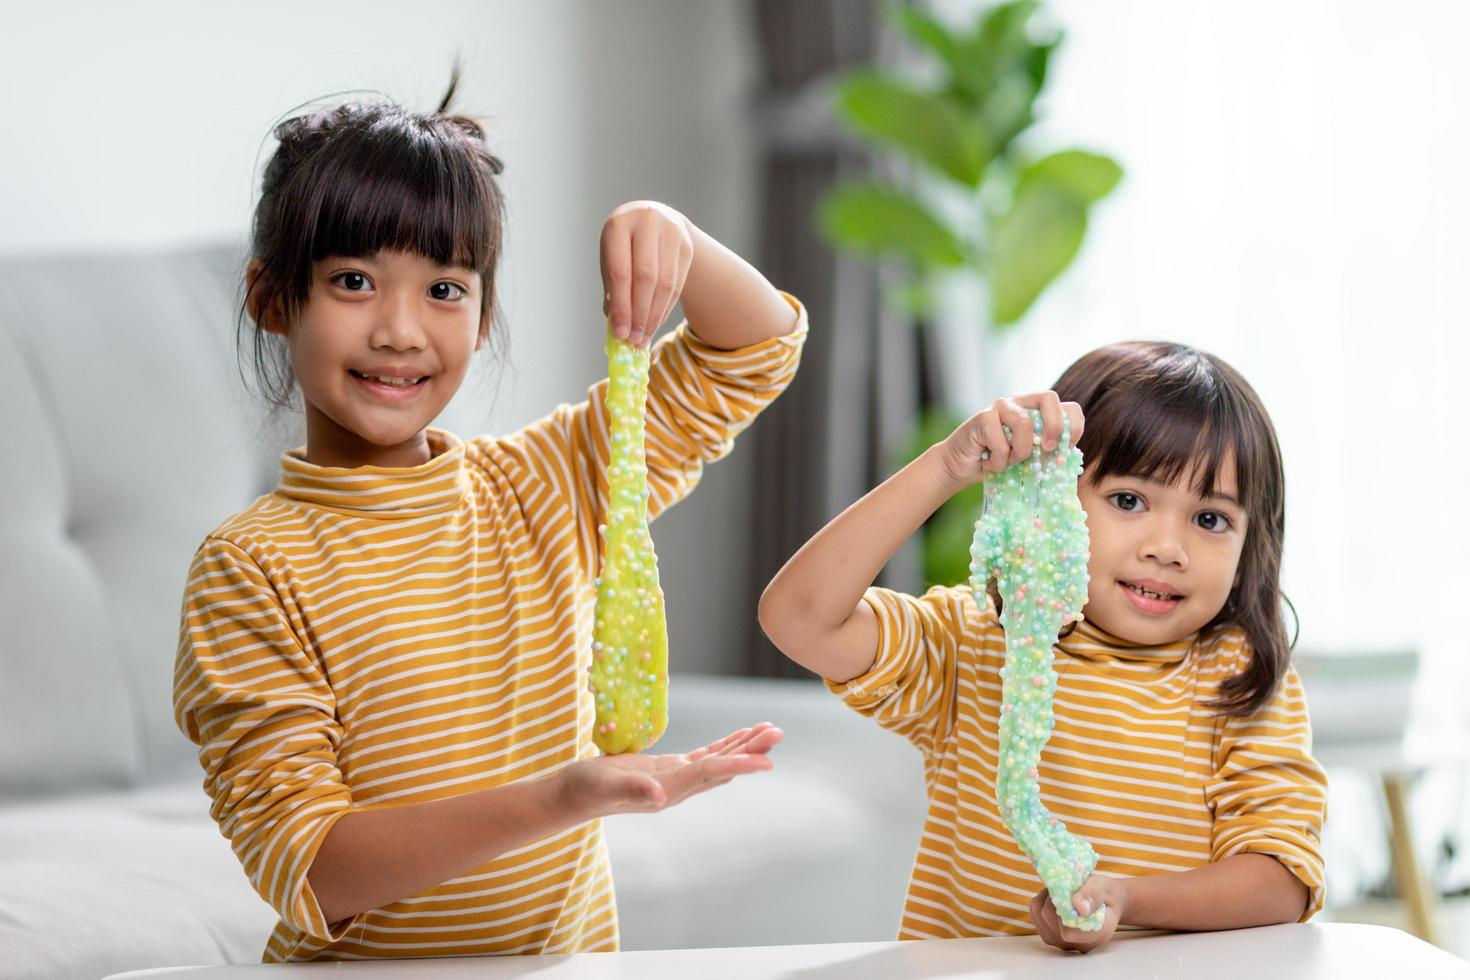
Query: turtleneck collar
x,y
380,492
1091,642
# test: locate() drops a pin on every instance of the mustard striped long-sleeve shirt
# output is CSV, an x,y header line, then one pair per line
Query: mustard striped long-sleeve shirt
x,y
1137,763
373,637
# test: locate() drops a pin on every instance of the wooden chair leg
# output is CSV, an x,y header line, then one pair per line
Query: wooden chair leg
x,y
1413,885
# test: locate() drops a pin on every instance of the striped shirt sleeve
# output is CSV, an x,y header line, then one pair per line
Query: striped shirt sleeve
x,y
1268,794
260,709
910,689
699,399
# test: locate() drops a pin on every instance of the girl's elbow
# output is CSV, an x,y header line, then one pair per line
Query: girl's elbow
x,y
1301,901
1290,901
770,613
786,621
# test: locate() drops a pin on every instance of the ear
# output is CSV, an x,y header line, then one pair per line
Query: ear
x,y
270,320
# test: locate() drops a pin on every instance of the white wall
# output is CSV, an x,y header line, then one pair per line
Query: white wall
x,y
144,124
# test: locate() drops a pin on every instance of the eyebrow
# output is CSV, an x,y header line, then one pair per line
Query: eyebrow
x,y
374,259
1159,483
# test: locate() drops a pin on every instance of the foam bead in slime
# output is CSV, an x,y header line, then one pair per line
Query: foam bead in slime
x,y
1032,538
630,644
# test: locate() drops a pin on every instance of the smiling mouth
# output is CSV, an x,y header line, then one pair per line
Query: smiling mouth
x,y
390,382
1148,594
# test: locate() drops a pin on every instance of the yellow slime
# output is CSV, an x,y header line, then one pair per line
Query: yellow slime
x,y
630,642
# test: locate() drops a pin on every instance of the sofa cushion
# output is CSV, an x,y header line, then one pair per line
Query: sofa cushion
x,y
148,441
102,883
819,849
65,716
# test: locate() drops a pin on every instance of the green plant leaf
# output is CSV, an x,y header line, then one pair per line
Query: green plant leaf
x,y
1088,177
1037,238
947,536
871,218
931,125
1039,60
1030,245
926,30
945,547
1001,67
934,425
1002,37
1009,109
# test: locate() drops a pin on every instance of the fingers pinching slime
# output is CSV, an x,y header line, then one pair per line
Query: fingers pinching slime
x,y
630,645
1032,538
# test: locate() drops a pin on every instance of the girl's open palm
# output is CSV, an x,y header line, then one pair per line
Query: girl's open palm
x,y
637,782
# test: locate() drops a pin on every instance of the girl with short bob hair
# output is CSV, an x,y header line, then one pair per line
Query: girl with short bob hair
x,y
1181,747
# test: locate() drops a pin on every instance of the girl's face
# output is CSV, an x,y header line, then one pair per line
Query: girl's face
x,y
1163,558
379,348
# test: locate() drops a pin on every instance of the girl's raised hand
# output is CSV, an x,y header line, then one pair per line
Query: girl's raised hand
x,y
980,445
646,251
641,783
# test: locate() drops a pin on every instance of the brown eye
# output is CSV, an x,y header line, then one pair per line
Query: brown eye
x,y
446,291
1125,501
354,282
1213,520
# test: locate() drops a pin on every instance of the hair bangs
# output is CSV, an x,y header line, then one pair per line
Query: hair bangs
x,y
397,195
1163,443
1165,413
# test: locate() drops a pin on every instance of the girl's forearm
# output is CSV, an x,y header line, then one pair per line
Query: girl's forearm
x,y
727,301
807,608
371,858
1240,891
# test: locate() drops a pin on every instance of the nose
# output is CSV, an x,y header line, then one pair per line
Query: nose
x,y
1162,542
397,326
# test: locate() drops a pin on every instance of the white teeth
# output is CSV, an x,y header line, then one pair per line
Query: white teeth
x,y
395,382
1151,595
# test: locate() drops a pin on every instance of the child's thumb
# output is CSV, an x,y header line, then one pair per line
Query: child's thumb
x,y
1087,898
648,791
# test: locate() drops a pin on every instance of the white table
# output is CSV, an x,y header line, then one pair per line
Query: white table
x,y
1300,952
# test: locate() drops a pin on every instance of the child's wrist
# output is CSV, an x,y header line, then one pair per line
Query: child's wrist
x,y
940,461
567,796
1123,898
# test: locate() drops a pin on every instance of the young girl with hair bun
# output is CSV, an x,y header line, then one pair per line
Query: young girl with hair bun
x,y
384,662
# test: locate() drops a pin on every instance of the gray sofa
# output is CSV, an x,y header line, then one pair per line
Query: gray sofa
x,y
126,436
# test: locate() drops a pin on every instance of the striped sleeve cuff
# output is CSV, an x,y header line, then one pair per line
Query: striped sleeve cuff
x,y
910,688
773,359
288,858
867,692
1297,853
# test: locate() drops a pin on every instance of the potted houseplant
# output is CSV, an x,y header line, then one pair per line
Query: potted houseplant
x,y
968,194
